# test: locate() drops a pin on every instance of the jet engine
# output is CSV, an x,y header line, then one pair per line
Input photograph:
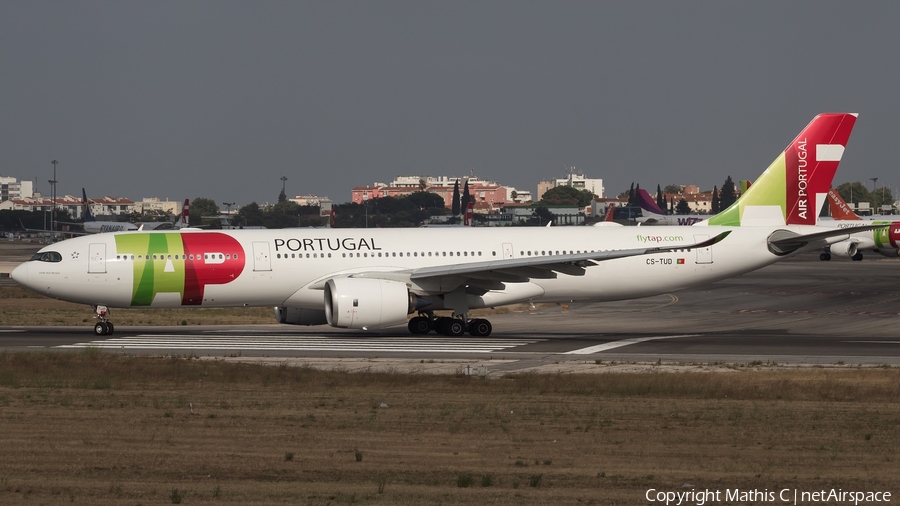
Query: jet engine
x,y
360,303
889,252
844,249
297,316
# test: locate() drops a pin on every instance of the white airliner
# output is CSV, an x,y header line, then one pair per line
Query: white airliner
x,y
884,241
651,214
92,226
372,278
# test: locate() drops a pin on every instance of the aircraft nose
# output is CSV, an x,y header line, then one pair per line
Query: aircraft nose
x,y
20,274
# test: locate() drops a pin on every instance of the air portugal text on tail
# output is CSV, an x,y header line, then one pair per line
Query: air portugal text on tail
x,y
371,278
796,184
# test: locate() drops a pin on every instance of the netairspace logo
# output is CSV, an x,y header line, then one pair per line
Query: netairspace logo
x,y
783,496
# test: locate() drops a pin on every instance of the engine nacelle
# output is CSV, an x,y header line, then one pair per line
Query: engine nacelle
x,y
843,249
357,303
297,316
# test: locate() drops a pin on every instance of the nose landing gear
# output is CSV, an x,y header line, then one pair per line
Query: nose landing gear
x,y
103,327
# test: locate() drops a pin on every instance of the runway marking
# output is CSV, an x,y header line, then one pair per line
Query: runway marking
x,y
774,311
622,342
875,342
438,344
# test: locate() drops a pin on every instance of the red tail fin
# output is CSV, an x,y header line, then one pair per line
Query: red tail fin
x,y
469,209
839,209
610,212
185,213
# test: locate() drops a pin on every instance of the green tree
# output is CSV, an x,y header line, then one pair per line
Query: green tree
x,y
426,200
660,200
672,189
251,215
543,214
683,207
728,195
567,196
455,204
201,207
716,202
853,193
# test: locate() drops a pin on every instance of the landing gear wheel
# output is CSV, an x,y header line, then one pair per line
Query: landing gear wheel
x,y
103,327
857,257
454,327
480,327
419,325
825,257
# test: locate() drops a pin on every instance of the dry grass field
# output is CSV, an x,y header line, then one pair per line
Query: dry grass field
x,y
20,306
103,428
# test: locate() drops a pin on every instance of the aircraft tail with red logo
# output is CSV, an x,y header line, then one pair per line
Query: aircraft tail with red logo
x,y
794,187
470,209
610,212
185,219
839,208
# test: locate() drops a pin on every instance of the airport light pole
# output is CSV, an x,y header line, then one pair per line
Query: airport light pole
x,y
53,201
873,180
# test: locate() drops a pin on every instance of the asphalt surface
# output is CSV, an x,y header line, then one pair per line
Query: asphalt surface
x,y
801,311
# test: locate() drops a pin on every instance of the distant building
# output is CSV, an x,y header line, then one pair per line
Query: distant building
x,y
11,189
562,215
39,203
154,205
578,181
111,206
310,200
485,193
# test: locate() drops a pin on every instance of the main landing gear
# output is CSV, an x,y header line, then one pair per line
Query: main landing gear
x,y
425,323
103,327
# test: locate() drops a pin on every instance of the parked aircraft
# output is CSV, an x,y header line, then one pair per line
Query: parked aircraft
x,y
653,215
371,278
92,226
885,240
180,222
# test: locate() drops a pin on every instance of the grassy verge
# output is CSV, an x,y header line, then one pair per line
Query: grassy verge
x,y
101,428
20,306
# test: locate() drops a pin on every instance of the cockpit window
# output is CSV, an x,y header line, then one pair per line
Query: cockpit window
x,y
47,256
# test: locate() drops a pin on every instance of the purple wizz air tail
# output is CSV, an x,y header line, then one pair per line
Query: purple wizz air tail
x,y
653,215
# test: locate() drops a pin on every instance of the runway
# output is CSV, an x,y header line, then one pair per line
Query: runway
x,y
801,311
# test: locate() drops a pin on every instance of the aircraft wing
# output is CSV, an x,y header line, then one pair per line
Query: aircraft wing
x,y
518,270
543,267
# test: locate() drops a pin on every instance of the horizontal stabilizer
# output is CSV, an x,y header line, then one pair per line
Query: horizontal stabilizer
x,y
784,242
